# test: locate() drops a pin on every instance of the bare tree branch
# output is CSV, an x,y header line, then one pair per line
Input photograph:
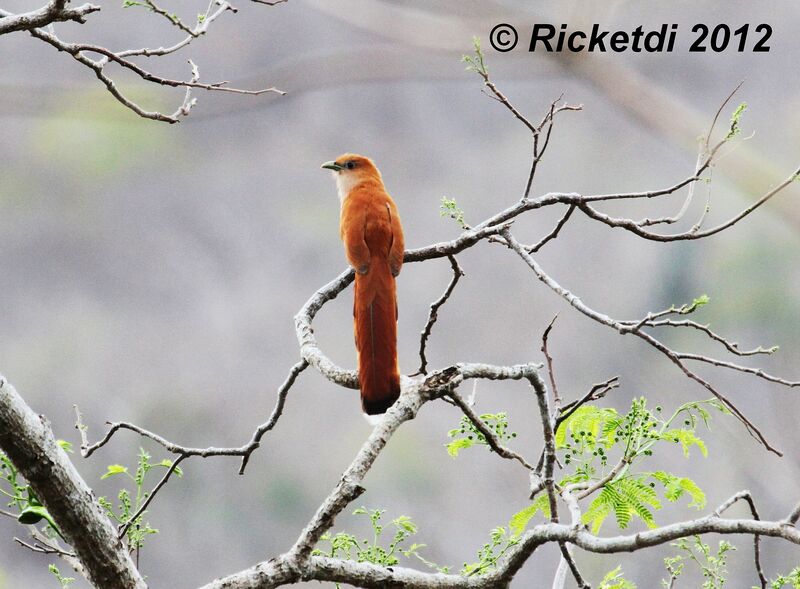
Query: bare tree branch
x,y
29,442
53,11
792,518
433,315
57,10
42,549
535,130
756,371
747,496
243,451
169,16
491,437
731,346
279,571
567,557
674,357
550,374
635,228
549,443
199,30
554,233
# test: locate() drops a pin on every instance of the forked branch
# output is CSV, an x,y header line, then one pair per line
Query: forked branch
x,y
97,58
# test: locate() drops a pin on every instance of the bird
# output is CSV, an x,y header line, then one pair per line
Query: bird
x,y
373,243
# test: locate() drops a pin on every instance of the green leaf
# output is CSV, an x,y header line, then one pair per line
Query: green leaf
x,y
65,445
455,446
519,521
476,64
449,208
586,418
32,498
143,466
468,435
64,581
621,507
32,515
675,487
166,463
599,509
615,580
626,498
735,119
687,439
114,469
36,513
695,492
404,522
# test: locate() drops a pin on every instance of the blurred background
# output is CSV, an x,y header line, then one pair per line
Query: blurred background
x,y
151,272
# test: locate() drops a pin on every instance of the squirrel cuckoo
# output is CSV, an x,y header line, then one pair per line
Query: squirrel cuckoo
x,y
373,243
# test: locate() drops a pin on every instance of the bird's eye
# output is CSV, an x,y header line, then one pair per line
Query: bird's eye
x,y
350,165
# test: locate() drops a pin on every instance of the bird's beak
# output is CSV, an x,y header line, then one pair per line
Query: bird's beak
x,y
332,166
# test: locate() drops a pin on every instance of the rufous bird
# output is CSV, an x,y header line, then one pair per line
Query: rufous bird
x,y
373,243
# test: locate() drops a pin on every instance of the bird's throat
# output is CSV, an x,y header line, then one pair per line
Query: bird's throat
x,y
344,184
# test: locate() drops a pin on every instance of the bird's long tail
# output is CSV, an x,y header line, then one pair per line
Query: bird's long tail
x,y
375,318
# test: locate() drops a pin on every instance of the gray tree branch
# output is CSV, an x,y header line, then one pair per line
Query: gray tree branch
x,y
57,10
53,11
29,442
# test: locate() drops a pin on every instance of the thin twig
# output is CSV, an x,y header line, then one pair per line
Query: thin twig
x,y
549,443
748,497
573,566
719,112
631,225
169,16
610,476
433,315
123,528
243,451
703,153
623,328
598,391
491,438
200,30
535,130
277,411
646,222
44,548
792,518
548,120
554,233
732,347
35,547
725,364
550,374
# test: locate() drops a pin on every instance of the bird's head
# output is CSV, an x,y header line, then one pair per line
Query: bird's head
x,y
350,170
